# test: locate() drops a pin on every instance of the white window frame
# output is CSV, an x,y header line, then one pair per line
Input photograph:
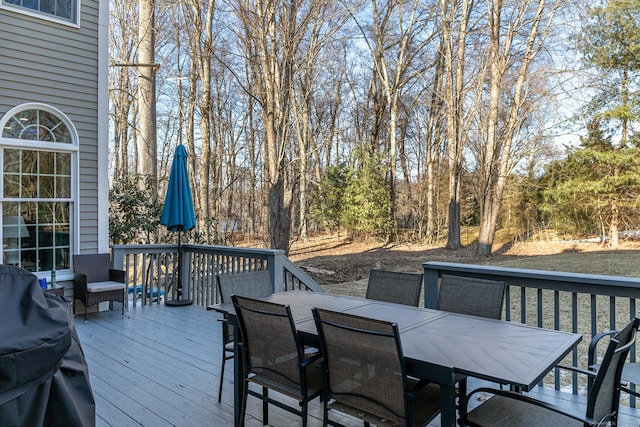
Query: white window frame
x,y
72,148
43,15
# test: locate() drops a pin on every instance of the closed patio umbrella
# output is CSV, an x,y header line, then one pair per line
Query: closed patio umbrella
x,y
178,214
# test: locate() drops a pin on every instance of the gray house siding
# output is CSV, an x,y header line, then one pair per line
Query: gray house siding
x,y
56,64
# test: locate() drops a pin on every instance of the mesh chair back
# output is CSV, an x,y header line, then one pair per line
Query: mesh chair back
x,y
254,284
391,286
467,295
605,392
272,347
364,365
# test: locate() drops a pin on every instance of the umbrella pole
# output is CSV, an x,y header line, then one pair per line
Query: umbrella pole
x,y
179,301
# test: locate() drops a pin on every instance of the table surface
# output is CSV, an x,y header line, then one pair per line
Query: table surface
x,y
439,345
496,350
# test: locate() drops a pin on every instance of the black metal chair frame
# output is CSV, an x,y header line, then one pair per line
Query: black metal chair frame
x,y
597,382
247,348
226,288
383,286
410,390
630,371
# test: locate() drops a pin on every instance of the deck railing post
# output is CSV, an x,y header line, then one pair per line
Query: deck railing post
x,y
430,287
117,258
186,276
275,261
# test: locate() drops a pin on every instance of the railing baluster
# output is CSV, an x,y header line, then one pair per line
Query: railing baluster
x,y
523,305
507,301
632,353
556,325
540,309
574,352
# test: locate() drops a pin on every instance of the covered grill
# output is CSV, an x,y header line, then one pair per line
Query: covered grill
x,y
44,378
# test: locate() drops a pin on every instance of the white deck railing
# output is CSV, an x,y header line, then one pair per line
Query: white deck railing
x,y
153,270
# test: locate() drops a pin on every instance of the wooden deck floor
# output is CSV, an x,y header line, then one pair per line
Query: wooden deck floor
x,y
159,366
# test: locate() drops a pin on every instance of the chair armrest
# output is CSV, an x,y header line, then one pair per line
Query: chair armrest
x,y
116,275
591,354
527,399
586,372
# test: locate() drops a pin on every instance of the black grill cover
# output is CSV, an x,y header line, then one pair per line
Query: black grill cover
x,y
44,379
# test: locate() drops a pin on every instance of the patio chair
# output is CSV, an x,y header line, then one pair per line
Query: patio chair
x,y
630,371
274,357
94,281
506,408
254,284
468,295
365,375
391,286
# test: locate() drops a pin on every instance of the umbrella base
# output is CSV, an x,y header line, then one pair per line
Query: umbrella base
x,y
178,303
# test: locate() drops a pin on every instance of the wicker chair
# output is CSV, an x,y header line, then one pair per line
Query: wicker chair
x,y
94,281
253,284
506,408
274,357
365,376
391,286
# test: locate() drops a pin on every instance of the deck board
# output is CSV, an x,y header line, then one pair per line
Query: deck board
x,y
159,366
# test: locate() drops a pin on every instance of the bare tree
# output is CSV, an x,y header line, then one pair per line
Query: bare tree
x,y
325,21
271,35
199,19
122,86
400,33
147,89
520,39
455,26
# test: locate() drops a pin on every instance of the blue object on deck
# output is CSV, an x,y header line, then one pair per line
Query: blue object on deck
x,y
151,292
178,214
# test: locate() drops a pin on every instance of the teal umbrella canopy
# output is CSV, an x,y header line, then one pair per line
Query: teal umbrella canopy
x,y
178,213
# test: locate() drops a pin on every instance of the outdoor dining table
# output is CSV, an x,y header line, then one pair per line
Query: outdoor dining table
x,y
438,346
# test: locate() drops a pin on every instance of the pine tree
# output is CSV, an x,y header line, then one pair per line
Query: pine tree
x,y
610,43
598,183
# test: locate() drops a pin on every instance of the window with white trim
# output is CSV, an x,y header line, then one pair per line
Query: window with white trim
x,y
62,10
38,149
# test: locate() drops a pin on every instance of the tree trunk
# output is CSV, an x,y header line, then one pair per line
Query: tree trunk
x,y
454,96
147,90
613,225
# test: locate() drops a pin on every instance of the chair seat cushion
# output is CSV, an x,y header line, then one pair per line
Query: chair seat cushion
x,y
104,286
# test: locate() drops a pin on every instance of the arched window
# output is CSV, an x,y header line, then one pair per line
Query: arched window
x,y
38,159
